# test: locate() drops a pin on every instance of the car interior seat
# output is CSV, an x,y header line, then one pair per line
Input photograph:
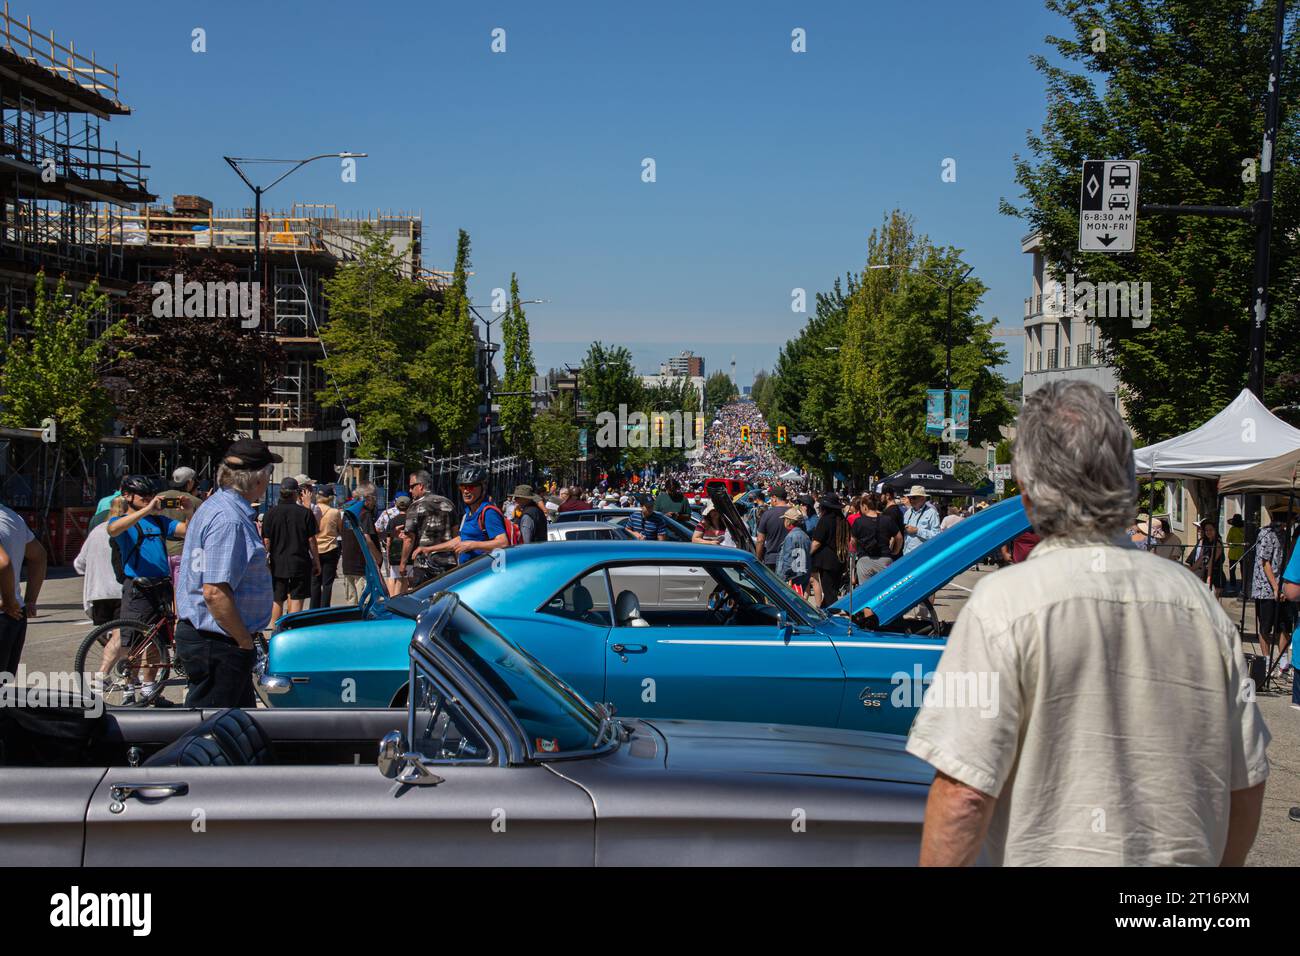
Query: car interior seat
x,y
627,610
582,603
229,738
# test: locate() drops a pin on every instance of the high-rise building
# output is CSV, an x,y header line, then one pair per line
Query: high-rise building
x,y
687,364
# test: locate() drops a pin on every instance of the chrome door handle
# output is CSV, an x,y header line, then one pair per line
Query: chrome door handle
x,y
628,648
147,791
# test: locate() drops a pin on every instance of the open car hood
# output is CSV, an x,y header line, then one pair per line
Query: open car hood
x,y
375,595
731,517
901,586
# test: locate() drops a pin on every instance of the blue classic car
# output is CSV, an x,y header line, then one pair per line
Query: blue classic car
x,y
659,629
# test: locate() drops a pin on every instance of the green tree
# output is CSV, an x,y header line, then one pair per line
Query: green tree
x,y
54,371
608,380
893,349
1179,86
718,390
806,381
517,410
374,340
449,364
555,437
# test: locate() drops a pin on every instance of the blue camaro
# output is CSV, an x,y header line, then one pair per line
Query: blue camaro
x,y
660,630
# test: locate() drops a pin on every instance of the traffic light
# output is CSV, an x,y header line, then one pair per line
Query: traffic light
x,y
744,434
780,434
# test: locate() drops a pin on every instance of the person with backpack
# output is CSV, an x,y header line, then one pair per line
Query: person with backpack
x,y
482,526
140,538
529,520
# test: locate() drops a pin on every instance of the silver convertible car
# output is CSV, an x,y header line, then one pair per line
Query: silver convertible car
x,y
494,761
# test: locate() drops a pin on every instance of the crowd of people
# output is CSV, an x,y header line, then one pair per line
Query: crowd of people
x,y
1000,782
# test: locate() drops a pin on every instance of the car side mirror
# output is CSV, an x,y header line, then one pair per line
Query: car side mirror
x,y
392,753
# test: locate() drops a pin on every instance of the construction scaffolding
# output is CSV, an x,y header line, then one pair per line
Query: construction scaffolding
x,y
63,187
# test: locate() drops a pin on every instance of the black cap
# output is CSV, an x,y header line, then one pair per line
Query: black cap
x,y
778,491
806,500
250,454
289,484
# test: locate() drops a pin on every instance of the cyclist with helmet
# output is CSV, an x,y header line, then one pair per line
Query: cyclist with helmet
x,y
482,526
140,537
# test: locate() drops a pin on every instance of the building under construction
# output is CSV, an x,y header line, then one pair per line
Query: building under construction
x,y
301,248
75,204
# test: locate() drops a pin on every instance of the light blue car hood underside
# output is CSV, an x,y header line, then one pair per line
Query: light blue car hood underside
x,y
901,586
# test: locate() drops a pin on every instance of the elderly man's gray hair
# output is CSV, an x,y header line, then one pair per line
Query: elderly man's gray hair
x,y
1074,459
363,490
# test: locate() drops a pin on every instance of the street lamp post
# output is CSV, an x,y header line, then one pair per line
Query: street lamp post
x,y
487,369
949,288
235,162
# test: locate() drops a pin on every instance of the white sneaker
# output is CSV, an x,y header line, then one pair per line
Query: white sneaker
x,y
1284,664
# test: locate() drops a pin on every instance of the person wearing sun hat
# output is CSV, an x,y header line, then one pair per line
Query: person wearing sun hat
x,y
529,514
920,520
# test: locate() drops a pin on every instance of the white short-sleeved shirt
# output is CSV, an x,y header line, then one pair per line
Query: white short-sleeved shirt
x,y
14,535
1114,717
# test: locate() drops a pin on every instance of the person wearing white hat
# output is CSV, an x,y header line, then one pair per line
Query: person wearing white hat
x,y
920,520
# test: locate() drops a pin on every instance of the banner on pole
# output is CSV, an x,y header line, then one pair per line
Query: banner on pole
x,y
960,414
934,411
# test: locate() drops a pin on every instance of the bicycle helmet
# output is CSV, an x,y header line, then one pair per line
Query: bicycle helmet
x,y
137,485
471,475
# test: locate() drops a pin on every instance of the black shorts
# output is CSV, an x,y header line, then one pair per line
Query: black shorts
x,y
105,610
297,587
145,602
1266,615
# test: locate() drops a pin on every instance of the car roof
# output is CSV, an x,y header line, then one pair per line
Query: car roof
x,y
531,573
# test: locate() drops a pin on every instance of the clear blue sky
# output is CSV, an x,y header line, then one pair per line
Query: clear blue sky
x,y
772,166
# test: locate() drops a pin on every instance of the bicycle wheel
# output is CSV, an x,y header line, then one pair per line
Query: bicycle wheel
x,y
144,655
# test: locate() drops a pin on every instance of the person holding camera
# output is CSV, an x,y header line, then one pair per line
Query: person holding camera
x,y
140,537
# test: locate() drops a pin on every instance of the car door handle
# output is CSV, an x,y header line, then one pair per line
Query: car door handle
x,y
628,648
147,791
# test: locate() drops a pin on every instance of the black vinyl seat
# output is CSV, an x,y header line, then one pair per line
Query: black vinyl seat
x,y
229,739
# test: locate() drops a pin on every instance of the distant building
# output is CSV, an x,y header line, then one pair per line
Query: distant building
x,y
688,364
1060,342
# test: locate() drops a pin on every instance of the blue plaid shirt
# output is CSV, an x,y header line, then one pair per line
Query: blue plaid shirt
x,y
222,546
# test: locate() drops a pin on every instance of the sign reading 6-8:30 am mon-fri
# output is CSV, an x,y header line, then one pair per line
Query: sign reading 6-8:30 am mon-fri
x,y
1108,203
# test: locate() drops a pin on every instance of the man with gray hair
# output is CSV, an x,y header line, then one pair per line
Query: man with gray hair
x,y
224,595
1121,728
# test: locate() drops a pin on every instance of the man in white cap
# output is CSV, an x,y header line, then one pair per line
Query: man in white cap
x,y
920,521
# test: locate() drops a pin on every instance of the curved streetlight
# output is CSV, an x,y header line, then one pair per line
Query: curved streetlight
x,y
235,162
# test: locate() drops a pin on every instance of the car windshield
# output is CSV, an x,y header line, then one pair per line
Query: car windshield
x,y
808,610
452,578
553,716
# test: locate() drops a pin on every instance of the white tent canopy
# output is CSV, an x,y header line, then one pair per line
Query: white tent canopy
x,y
790,475
1239,437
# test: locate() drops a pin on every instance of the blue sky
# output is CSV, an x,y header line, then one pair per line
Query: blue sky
x,y
772,167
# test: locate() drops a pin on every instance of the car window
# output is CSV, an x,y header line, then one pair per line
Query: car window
x,y
553,716
441,730
584,600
